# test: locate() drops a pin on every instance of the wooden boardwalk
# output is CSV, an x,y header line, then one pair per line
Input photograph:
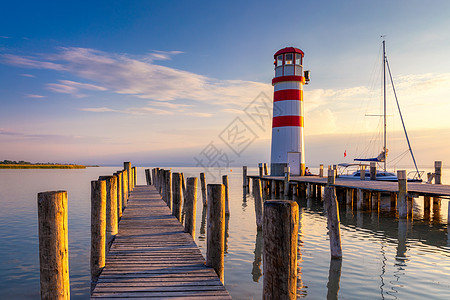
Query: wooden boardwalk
x,y
152,257
422,189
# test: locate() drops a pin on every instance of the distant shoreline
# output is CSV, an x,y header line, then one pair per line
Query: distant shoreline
x,y
40,166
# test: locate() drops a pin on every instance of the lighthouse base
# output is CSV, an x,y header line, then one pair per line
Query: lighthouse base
x,y
277,169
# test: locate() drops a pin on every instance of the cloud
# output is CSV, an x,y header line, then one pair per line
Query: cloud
x,y
199,114
34,96
28,75
139,77
4,37
73,88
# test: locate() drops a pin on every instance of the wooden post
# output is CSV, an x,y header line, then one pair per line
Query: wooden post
x,y
191,205
393,200
332,208
321,170
359,199
426,205
362,174
183,185
376,197
147,176
203,186
167,187
287,177
215,243
98,229
124,188
373,170
227,204
448,213
280,239
244,177
266,170
438,172
154,176
177,196
349,196
260,167
118,176
111,207
53,245
258,204
127,167
402,204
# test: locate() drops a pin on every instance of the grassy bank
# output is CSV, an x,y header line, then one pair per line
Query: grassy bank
x,y
32,166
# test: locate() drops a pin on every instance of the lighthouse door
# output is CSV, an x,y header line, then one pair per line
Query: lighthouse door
x,y
294,159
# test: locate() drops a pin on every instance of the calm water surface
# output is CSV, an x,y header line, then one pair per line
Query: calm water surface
x,y
382,258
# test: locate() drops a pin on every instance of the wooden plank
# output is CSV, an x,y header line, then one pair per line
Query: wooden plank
x,y
152,257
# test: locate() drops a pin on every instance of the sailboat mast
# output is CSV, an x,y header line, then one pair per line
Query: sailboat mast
x,y
384,102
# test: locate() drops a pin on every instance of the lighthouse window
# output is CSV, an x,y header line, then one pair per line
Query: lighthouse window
x,y
289,59
298,59
279,60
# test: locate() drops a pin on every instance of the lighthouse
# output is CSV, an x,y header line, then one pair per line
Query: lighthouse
x,y
288,147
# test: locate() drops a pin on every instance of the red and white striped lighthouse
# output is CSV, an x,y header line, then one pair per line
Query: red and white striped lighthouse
x,y
288,147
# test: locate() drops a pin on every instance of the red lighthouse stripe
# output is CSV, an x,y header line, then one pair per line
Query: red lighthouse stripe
x,y
287,95
288,78
284,121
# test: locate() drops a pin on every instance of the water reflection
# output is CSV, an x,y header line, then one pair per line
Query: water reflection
x,y
334,276
256,270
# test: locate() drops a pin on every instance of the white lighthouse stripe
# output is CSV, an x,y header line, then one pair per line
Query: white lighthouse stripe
x,y
287,85
286,108
284,140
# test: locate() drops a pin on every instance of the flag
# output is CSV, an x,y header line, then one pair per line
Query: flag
x,y
345,153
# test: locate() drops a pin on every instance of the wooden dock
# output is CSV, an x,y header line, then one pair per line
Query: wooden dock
x,y
421,189
152,256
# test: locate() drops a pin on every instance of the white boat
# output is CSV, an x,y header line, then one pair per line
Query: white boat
x,y
344,170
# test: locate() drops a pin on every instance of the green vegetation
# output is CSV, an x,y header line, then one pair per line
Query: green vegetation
x,y
12,164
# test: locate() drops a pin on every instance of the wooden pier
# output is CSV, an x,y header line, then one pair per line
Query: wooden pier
x,y
152,256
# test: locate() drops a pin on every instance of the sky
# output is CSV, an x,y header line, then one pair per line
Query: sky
x,y
177,82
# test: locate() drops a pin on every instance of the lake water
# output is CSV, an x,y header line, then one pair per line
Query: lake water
x,y
382,258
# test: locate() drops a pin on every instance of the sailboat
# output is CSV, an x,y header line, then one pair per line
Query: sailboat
x,y
381,158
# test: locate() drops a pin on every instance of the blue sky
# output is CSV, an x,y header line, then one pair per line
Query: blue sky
x,y
159,81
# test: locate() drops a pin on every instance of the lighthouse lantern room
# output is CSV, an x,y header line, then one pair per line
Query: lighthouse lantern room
x,y
288,148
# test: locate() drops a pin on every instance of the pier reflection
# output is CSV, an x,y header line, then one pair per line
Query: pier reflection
x,y
256,270
334,276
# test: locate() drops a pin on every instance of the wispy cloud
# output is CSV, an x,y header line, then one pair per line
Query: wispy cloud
x,y
141,78
4,37
73,88
34,96
28,75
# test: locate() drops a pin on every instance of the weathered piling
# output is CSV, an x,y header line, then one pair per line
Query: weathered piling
x,y
176,196
362,174
203,186
244,177
402,204
437,172
266,170
124,189
393,200
376,198
321,170
258,203
112,227
127,167
53,245
118,176
215,243
373,170
168,187
333,223
349,196
147,177
191,205
261,171
98,229
359,199
280,238
134,180
287,178
227,203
